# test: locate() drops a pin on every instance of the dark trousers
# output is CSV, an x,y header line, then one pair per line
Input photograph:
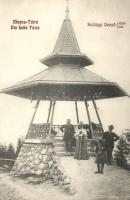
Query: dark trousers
x,y
68,144
109,155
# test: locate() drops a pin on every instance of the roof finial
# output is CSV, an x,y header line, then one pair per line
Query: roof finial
x,y
67,9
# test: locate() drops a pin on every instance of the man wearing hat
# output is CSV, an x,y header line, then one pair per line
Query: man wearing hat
x,y
110,137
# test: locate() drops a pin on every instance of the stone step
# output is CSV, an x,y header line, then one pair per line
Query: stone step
x,y
60,149
59,141
61,154
59,144
64,154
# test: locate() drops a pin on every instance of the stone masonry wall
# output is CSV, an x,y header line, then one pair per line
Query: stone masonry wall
x,y
40,160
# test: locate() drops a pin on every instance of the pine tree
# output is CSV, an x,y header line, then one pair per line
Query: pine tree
x,y
127,135
3,151
11,152
19,145
122,151
3,154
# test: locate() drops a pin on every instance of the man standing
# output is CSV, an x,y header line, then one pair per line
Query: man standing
x,y
68,134
110,137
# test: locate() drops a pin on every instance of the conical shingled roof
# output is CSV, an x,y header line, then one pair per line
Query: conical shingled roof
x,y
66,49
67,43
66,79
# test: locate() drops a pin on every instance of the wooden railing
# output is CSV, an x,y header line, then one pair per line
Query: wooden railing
x,y
40,131
6,164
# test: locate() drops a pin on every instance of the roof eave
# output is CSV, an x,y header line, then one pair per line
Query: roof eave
x,y
80,59
49,82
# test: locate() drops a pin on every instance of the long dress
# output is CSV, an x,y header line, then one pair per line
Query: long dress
x,y
81,152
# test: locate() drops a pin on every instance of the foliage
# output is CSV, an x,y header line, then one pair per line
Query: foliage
x,y
3,151
19,145
7,152
122,152
11,152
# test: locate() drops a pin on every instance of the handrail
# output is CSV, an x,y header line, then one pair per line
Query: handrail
x,y
4,159
40,131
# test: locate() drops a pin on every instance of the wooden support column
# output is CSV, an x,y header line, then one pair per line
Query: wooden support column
x,y
48,118
95,107
52,116
89,119
49,112
77,114
35,110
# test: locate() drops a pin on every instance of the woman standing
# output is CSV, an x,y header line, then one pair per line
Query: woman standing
x,y
81,152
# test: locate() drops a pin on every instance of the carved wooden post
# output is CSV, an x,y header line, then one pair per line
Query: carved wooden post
x,y
89,119
95,107
77,114
49,112
35,110
52,116
48,118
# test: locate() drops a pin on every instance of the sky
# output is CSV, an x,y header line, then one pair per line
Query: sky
x,y
21,50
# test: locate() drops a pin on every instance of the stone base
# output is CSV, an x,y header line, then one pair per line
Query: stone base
x,y
40,160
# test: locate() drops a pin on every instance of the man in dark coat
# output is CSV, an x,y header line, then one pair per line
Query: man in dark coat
x,y
68,134
110,137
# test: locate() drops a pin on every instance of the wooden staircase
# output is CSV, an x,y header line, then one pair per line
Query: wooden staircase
x,y
60,148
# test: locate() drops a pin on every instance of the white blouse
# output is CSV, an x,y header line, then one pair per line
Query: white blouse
x,y
78,132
